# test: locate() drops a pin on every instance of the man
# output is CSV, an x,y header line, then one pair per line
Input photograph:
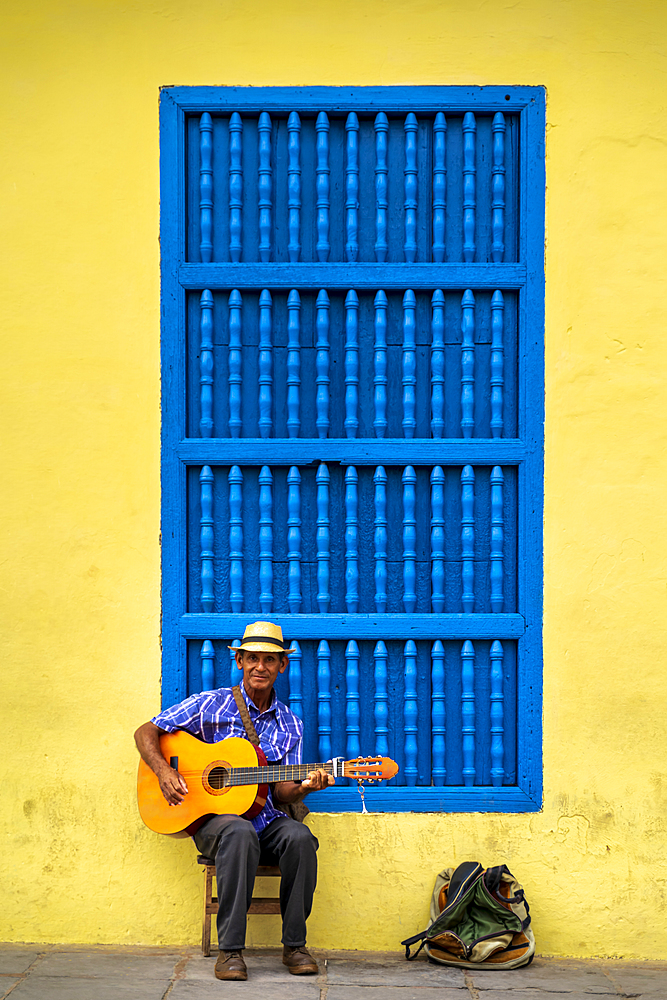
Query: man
x,y
234,842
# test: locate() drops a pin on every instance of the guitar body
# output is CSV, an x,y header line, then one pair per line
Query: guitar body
x,y
202,766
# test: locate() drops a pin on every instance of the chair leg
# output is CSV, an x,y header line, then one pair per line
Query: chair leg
x,y
206,929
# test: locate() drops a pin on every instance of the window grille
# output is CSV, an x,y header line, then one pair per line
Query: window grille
x,y
352,386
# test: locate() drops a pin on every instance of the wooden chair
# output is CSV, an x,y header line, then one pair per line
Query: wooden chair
x,y
260,904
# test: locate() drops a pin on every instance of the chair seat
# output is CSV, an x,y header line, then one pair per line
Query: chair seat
x,y
259,904
263,871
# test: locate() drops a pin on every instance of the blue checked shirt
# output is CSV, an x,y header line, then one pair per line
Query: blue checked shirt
x,y
213,716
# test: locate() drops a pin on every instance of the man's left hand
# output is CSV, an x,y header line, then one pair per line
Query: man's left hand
x,y
317,780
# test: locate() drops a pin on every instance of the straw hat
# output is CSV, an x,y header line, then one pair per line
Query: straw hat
x,y
263,637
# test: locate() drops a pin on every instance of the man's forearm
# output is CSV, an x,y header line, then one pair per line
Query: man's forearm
x,y
147,738
286,792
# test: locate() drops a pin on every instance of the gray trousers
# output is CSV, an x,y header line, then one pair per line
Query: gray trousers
x,y
238,850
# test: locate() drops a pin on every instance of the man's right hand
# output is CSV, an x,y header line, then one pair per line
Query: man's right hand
x,y
172,786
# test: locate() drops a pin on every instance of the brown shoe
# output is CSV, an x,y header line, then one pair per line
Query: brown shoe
x,y
230,965
299,961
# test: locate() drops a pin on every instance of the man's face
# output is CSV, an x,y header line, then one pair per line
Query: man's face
x,y
260,670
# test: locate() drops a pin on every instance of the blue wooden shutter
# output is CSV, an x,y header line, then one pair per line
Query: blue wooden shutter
x,y
352,420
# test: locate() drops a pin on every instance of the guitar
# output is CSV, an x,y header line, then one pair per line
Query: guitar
x,y
231,776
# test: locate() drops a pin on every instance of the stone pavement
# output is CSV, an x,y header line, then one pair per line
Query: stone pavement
x,y
76,973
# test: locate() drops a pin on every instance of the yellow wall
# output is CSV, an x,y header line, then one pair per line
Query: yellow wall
x,y
80,427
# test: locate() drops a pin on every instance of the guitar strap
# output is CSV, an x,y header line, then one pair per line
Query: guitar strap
x,y
251,732
296,810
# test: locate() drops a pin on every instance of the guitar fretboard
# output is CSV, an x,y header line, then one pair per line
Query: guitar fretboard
x,y
276,772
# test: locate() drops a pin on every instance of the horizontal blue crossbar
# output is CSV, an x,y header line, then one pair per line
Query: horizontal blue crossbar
x,y
360,626
345,275
361,451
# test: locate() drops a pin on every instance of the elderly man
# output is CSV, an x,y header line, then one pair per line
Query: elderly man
x,y
237,843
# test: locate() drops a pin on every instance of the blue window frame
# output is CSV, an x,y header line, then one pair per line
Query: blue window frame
x,y
352,413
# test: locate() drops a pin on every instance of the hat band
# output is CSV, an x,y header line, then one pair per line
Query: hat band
x,y
264,638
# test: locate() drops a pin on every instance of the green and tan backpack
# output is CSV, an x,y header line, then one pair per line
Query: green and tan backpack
x,y
479,919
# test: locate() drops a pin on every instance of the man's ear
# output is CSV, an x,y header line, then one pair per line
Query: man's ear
x,y
239,660
284,665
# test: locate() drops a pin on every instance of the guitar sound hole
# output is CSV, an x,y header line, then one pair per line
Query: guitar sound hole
x,y
217,777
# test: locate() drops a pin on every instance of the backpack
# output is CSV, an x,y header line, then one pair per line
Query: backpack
x,y
479,919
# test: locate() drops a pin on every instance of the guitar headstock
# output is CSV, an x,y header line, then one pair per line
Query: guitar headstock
x,y
370,769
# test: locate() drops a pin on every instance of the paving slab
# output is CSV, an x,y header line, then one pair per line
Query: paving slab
x,y
646,994
640,982
66,988
552,977
254,988
392,971
108,965
539,994
391,993
16,961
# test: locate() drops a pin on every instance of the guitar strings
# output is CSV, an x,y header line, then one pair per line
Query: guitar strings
x,y
237,772
259,771
263,774
266,771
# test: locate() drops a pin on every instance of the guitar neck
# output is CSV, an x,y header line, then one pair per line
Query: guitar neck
x,y
274,772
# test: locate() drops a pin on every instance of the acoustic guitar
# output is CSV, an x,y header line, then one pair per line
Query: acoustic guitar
x,y
231,776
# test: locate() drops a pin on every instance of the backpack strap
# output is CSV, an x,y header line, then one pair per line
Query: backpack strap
x,y
492,880
413,940
251,732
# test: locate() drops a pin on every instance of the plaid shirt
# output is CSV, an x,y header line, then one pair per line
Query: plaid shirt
x,y
213,716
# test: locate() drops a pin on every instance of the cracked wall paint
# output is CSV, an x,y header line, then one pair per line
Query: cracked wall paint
x,y
79,408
